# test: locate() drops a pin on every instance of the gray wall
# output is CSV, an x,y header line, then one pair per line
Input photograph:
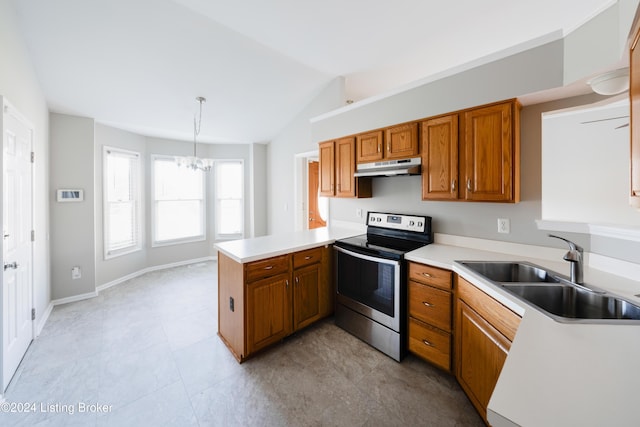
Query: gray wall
x,y
77,228
403,194
72,223
548,66
257,197
114,268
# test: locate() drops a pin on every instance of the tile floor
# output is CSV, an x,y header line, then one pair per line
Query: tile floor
x,y
148,350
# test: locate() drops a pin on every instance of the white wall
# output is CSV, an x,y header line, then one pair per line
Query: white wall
x,y
295,138
585,166
19,85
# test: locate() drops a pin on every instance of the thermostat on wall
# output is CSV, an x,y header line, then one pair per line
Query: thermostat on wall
x,y
70,195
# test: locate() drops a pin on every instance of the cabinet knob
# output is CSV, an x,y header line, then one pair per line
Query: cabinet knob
x,y
268,267
469,184
453,185
307,258
427,304
379,147
388,147
297,280
425,342
427,275
286,282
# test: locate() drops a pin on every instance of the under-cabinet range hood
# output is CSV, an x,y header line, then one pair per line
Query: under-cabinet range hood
x,y
390,168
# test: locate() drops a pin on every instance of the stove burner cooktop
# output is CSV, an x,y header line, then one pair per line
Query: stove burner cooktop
x,y
390,235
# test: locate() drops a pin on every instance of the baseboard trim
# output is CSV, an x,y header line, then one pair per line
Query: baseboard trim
x,y
74,298
153,268
43,318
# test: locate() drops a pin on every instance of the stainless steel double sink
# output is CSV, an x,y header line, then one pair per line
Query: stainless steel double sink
x,y
554,295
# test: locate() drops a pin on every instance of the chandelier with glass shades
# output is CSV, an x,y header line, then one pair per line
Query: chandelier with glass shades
x,y
193,162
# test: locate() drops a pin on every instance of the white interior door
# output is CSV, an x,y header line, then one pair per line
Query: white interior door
x,y
17,287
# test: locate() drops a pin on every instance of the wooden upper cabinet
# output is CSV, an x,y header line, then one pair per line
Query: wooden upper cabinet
x,y
369,147
440,158
634,98
345,167
337,167
397,142
401,141
491,153
327,175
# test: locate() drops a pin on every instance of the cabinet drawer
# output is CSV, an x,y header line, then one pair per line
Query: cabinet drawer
x,y
430,275
267,268
431,305
310,256
430,343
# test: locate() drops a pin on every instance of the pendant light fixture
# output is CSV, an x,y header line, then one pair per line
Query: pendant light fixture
x,y
193,162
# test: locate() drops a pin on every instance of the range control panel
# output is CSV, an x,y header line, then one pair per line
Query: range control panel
x,y
397,222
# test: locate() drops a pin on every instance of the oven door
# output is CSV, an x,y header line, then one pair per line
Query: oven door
x,y
369,285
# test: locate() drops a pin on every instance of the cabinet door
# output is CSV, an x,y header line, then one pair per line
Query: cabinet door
x,y
345,168
634,94
401,141
440,158
326,169
268,316
489,154
306,296
369,147
480,354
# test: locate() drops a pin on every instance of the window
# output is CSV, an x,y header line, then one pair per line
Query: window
x,y
122,207
178,203
229,199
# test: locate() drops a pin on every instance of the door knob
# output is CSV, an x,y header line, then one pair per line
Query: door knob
x,y
13,265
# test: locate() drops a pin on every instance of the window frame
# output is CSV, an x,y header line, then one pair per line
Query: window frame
x,y
191,239
216,201
137,200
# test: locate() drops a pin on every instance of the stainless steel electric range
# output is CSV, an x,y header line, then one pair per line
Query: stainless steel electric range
x,y
371,279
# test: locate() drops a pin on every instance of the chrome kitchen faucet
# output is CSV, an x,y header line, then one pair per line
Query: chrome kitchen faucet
x,y
575,256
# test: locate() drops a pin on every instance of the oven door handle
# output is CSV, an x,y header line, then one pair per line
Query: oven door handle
x,y
367,257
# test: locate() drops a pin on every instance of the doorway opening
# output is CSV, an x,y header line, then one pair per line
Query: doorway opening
x,y
312,211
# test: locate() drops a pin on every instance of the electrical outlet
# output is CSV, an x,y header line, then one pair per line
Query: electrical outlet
x,y
359,213
76,273
504,226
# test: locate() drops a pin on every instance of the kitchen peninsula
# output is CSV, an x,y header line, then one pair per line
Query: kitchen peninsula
x,y
272,286
555,373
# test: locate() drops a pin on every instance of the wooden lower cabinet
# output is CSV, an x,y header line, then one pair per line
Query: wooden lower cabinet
x,y
268,311
484,330
262,302
312,288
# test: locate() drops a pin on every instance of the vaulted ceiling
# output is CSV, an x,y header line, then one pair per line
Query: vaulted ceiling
x,y
140,64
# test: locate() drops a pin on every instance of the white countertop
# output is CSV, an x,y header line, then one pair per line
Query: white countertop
x,y
557,374
248,250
